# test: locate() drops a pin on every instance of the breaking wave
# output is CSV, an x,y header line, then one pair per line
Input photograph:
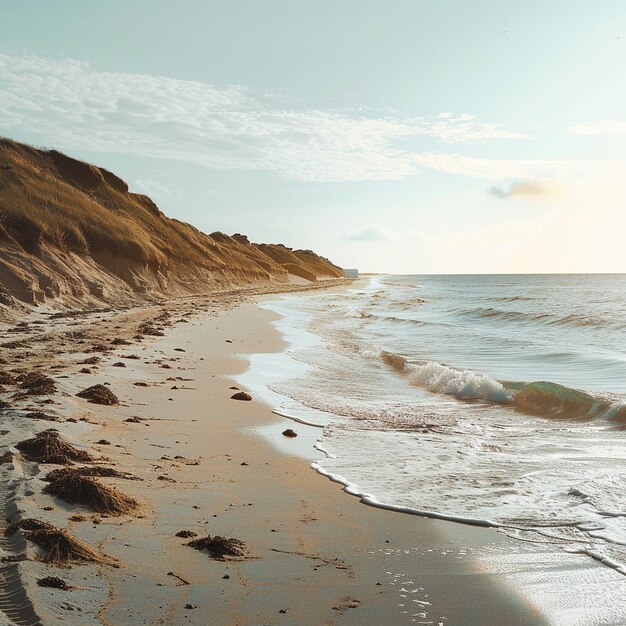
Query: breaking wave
x,y
541,399
438,378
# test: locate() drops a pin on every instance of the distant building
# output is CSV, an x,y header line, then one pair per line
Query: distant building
x,y
351,273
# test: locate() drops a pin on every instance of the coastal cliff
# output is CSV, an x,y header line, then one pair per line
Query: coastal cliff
x,y
72,234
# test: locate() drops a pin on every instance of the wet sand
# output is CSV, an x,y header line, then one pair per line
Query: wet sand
x,y
316,555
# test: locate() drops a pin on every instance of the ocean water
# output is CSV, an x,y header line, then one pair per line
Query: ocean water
x,y
490,400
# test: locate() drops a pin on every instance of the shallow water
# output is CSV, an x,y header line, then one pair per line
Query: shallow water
x,y
495,400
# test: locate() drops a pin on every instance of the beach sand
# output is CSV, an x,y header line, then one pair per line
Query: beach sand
x,y
315,555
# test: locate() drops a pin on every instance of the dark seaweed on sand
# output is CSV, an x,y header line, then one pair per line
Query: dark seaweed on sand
x,y
54,582
77,489
48,447
241,395
7,379
98,394
40,415
220,548
185,534
91,470
58,546
36,383
148,329
6,457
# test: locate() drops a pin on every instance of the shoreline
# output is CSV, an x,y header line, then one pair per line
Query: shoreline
x,y
329,552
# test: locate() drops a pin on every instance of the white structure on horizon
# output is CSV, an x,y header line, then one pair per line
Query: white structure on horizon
x,y
351,273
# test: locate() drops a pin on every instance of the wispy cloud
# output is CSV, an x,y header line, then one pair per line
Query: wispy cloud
x,y
566,170
74,106
372,232
152,187
451,128
600,127
526,188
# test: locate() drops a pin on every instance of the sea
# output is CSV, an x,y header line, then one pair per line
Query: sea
x,y
491,400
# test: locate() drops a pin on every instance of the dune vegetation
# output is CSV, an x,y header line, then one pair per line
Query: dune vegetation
x,y
73,231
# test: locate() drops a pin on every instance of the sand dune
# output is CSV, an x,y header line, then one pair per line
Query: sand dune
x,y
73,234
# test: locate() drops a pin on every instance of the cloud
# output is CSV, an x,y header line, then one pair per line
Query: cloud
x,y
600,127
449,128
152,187
566,172
373,232
525,188
71,105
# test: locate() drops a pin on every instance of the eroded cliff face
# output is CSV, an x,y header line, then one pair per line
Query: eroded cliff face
x,y
71,233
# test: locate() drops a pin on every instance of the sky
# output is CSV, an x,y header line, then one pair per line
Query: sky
x,y
404,136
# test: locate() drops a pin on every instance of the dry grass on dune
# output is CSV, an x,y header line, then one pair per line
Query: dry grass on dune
x,y
38,204
53,206
49,196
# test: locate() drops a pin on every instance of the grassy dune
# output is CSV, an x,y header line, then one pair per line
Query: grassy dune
x,y
63,222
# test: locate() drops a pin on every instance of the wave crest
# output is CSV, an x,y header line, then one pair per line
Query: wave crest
x,y
438,378
546,399
541,399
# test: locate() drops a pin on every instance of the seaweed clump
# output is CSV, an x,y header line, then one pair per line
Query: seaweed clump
x,y
98,394
220,548
241,395
6,457
37,384
58,546
54,582
186,534
149,329
40,415
77,489
6,378
48,447
91,470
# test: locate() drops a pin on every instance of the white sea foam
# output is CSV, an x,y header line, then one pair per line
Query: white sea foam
x,y
366,498
295,418
319,446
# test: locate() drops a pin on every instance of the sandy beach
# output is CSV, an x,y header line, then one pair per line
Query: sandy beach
x,y
312,313
313,554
